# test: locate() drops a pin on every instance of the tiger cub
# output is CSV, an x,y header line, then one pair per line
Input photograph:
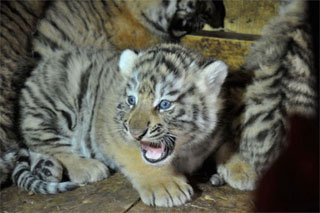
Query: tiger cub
x,y
284,84
62,24
17,23
92,110
124,24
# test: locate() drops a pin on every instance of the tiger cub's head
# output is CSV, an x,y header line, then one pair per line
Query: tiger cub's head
x,y
170,99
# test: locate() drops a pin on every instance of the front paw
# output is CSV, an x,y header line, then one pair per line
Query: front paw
x,y
237,173
47,168
87,170
166,192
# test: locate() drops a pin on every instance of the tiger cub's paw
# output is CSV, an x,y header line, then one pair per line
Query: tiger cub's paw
x,y
166,193
87,170
237,173
46,167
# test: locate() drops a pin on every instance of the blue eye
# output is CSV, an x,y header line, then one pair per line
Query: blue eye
x,y
131,100
165,104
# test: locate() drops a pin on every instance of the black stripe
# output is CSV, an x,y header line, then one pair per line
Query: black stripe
x,y
195,111
180,114
64,76
296,49
156,135
48,110
144,61
279,73
88,138
35,115
276,83
173,92
295,92
64,36
26,9
84,80
14,21
307,105
6,55
44,187
90,11
190,91
106,8
29,182
177,185
54,139
252,119
153,199
46,41
115,4
9,40
204,110
36,188
31,95
50,144
172,68
154,24
262,135
19,15
70,187
270,114
17,174
23,159
192,124
76,12
158,127
101,17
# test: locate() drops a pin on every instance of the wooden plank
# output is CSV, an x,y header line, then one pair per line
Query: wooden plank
x,y
112,195
248,16
117,195
231,48
208,199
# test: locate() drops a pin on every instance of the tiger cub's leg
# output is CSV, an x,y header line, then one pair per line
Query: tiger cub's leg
x,y
46,167
162,187
233,169
157,186
83,170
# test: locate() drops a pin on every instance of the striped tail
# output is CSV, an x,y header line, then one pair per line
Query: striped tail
x,y
7,163
24,179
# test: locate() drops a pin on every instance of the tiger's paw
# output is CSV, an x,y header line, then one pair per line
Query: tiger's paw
x,y
86,170
167,192
46,167
237,173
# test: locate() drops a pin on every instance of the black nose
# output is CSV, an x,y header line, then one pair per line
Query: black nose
x,y
138,133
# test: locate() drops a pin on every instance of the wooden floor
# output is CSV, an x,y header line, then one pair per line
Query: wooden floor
x,y
117,195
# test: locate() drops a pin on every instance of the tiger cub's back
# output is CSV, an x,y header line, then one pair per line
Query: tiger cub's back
x,y
124,24
283,84
17,23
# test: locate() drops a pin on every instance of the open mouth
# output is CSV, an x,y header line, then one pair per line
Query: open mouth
x,y
156,152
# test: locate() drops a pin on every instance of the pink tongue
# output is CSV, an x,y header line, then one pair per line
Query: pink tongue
x,y
153,152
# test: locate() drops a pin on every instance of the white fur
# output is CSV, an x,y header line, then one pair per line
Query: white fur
x,y
212,76
126,62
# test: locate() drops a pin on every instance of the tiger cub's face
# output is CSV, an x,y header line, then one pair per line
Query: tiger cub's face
x,y
169,101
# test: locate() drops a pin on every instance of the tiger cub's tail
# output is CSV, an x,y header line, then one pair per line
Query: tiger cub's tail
x,y
26,179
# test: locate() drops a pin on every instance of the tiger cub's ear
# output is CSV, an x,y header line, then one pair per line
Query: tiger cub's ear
x,y
212,76
126,62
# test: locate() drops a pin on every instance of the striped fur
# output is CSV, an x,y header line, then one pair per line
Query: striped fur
x,y
17,23
25,179
124,24
142,117
283,84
